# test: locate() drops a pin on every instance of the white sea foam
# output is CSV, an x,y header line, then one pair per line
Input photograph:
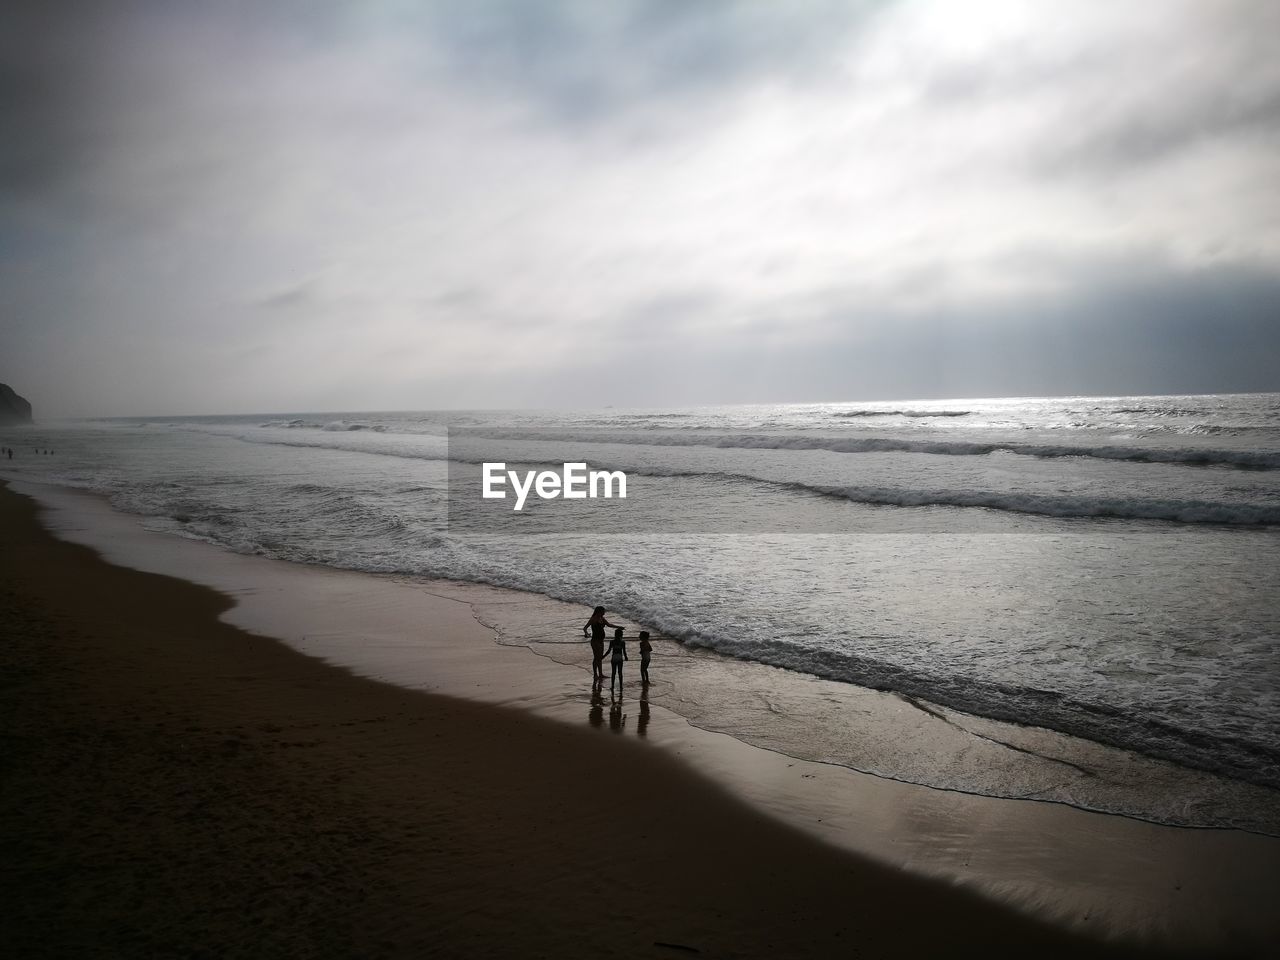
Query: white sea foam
x,y
1178,511
346,426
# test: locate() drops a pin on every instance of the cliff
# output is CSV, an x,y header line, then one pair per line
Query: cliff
x,y
13,408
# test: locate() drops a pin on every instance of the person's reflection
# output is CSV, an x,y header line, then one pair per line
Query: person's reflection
x,y
616,720
595,716
642,725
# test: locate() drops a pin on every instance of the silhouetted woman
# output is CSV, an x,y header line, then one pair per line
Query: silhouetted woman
x,y
596,624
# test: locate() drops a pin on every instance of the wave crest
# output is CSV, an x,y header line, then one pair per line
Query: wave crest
x,y
1193,456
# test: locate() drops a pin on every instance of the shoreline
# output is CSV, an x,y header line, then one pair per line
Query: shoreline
x,y
1023,761
978,822
810,718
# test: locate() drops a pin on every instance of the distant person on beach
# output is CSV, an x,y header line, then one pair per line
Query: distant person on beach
x,y
646,648
617,654
596,625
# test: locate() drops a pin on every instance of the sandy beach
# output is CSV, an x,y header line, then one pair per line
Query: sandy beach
x,y
175,786
897,379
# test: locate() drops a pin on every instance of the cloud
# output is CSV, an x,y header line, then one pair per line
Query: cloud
x,y
1209,83
390,201
583,62
1148,328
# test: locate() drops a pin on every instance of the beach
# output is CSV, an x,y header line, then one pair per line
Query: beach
x,y
892,386
898,377
177,786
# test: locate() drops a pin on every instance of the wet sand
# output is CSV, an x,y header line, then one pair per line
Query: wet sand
x,y
174,785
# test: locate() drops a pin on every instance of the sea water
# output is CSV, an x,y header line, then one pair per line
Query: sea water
x,y
1103,570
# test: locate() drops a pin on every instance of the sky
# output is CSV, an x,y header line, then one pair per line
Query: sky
x,y
306,205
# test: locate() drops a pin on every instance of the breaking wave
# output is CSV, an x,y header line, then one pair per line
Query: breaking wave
x,y
1195,456
1045,505
1177,511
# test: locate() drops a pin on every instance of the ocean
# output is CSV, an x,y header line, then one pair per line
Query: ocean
x,y
1089,585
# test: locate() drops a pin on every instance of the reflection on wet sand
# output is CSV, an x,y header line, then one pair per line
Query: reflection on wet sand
x,y
595,716
617,718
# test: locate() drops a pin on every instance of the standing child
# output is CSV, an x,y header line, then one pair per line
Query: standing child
x,y
646,648
617,654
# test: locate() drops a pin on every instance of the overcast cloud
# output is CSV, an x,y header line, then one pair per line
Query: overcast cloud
x,y
291,206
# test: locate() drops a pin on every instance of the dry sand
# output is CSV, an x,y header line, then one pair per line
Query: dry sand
x,y
174,786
